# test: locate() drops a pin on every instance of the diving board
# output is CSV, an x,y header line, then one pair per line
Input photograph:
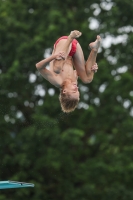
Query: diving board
x,y
14,184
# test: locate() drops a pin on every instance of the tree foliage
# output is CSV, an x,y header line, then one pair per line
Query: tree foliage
x,y
88,153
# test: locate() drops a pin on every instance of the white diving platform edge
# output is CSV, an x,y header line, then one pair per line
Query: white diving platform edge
x,y
14,184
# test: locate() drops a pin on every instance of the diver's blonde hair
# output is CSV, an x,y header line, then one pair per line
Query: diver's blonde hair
x,y
67,104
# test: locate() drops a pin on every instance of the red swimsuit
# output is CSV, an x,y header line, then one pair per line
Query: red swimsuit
x,y
74,45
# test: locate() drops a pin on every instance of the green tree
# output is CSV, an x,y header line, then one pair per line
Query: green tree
x,y
88,153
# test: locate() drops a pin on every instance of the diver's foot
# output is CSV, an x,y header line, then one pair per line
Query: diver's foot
x,y
95,45
75,34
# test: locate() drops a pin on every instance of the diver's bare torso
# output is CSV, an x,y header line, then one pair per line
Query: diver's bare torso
x,y
67,71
